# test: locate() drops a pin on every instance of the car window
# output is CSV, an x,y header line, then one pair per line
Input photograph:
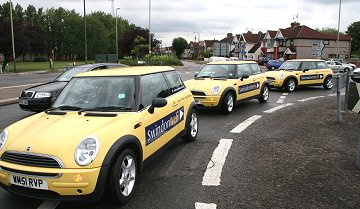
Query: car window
x,y
218,71
99,67
243,69
290,65
255,69
321,65
308,66
153,86
66,76
175,82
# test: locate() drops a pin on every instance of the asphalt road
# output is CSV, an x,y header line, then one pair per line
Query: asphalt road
x,y
174,179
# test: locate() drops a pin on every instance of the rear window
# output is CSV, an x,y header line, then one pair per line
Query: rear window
x,y
175,82
322,65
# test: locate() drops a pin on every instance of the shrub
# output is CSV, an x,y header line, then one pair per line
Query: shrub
x,y
40,59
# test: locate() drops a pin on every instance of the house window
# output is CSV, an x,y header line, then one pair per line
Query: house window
x,y
326,42
291,42
282,42
332,56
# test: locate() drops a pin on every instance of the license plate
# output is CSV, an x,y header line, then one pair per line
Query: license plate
x,y
29,182
23,102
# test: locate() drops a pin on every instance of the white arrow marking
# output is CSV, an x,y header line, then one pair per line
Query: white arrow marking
x,y
181,114
257,85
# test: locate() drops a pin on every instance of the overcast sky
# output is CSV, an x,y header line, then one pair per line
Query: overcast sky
x,y
213,19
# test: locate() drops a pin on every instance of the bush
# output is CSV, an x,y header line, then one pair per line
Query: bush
x,y
39,59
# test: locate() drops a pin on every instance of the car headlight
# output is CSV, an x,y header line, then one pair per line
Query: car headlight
x,y
215,90
42,95
282,76
3,137
87,150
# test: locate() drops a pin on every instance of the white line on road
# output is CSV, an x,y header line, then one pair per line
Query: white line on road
x,y
280,101
285,94
331,95
49,204
213,171
282,98
199,205
10,87
242,126
310,98
278,108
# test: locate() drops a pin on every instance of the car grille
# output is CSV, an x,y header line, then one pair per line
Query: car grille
x,y
198,93
29,159
28,173
270,78
27,94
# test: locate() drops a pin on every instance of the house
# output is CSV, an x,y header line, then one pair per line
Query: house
x,y
251,44
300,41
225,46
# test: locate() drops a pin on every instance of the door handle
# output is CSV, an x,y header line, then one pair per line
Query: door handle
x,y
175,104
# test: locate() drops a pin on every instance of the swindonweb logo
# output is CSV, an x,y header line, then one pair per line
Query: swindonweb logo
x,y
160,127
249,87
311,77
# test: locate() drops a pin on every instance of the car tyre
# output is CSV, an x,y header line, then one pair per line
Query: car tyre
x,y
272,68
328,83
346,70
290,85
123,174
264,94
227,105
192,127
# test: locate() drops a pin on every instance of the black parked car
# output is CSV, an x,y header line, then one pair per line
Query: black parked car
x,y
40,97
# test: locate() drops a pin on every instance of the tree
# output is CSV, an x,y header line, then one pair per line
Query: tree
x,y
140,47
329,31
179,45
354,31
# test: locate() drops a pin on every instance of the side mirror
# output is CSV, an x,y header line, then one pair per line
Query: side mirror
x,y
305,70
196,74
244,77
157,103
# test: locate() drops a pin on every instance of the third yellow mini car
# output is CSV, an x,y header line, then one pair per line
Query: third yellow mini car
x,y
223,84
301,72
101,129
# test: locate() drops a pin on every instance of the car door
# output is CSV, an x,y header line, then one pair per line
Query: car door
x,y
162,125
246,87
178,95
258,77
309,74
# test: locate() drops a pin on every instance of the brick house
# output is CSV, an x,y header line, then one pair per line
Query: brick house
x,y
300,41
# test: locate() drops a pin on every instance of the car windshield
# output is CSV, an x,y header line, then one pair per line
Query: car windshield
x,y
66,76
217,71
113,94
290,65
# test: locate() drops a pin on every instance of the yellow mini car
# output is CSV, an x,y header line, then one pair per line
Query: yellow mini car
x,y
223,84
301,72
99,132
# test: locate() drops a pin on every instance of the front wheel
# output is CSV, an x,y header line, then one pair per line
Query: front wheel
x,y
123,175
290,85
328,83
264,94
227,105
192,127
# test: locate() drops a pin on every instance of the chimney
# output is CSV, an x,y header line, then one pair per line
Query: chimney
x,y
295,24
229,35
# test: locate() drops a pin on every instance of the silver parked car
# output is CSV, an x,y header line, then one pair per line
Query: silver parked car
x,y
338,67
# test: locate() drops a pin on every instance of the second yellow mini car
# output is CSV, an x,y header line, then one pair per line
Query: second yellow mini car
x,y
101,129
223,84
301,72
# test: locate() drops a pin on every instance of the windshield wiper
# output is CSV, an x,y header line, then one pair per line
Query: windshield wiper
x,y
65,107
203,76
105,109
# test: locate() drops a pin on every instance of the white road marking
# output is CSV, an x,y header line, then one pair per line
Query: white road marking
x,y
49,204
278,108
282,97
331,95
242,126
10,87
342,93
285,94
199,205
310,98
212,175
280,101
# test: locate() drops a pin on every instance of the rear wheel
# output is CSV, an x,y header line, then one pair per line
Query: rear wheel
x,y
227,105
192,127
290,85
264,94
123,175
328,83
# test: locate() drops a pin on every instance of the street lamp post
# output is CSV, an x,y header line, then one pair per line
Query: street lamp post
x,y
85,33
149,30
12,36
117,44
198,45
338,35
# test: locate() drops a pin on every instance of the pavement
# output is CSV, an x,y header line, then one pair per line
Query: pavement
x,y
299,157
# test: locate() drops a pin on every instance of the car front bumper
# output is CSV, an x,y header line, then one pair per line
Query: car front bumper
x,y
276,83
207,101
68,186
36,105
